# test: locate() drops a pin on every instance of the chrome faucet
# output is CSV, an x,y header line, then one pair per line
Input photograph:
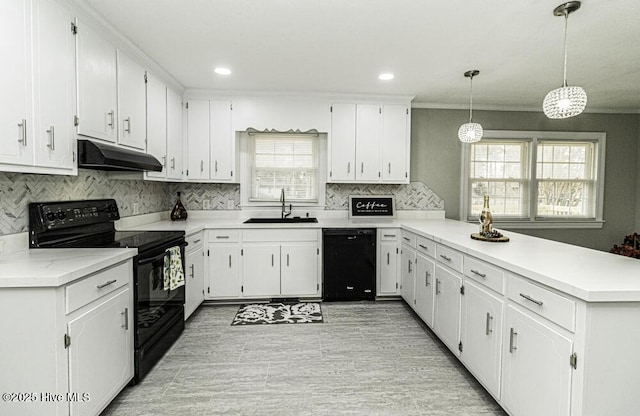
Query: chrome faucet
x,y
285,214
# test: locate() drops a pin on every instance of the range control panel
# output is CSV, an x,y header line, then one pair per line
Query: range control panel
x,y
56,215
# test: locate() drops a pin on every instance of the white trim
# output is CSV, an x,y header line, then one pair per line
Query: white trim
x,y
532,222
529,109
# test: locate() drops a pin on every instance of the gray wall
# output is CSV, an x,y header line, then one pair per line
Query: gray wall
x,y
436,161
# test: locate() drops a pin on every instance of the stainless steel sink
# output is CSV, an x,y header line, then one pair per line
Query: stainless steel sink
x,y
278,220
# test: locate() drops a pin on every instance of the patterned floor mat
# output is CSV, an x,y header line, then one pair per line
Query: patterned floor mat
x,y
278,313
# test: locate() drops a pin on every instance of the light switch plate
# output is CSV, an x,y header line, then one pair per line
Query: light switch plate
x,y
231,204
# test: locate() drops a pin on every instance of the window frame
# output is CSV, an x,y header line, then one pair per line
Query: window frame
x,y
534,138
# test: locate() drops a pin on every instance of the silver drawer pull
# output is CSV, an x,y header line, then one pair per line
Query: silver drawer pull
x,y
221,237
389,235
105,284
406,239
445,257
477,273
530,299
196,241
488,329
422,246
512,338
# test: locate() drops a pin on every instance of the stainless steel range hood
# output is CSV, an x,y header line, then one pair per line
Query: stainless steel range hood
x,y
100,156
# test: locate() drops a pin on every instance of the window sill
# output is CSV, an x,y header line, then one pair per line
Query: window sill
x,y
515,225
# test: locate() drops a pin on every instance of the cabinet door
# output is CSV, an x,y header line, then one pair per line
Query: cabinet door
x,y
388,264
299,269
261,270
221,141
408,275
157,124
342,143
536,373
368,142
425,275
446,319
198,139
481,335
395,144
224,271
132,130
174,135
101,353
97,89
194,284
16,119
54,85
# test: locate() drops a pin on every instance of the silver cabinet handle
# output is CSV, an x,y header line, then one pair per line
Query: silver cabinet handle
x,y
229,260
406,239
216,166
196,241
126,319
105,284
512,337
488,329
477,273
202,166
221,237
530,299
388,258
287,259
362,167
426,278
164,161
409,270
111,114
52,134
128,128
23,140
272,259
192,271
423,247
389,235
389,168
445,257
348,167
173,163
437,286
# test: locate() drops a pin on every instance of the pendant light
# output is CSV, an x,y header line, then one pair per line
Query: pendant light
x,y
566,101
470,132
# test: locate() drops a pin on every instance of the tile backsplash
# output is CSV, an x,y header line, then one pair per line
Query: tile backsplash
x,y
17,190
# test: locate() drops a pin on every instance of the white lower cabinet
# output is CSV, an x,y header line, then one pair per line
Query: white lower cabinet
x,y
446,315
424,288
298,269
408,275
223,264
387,269
481,335
536,374
100,344
194,274
260,269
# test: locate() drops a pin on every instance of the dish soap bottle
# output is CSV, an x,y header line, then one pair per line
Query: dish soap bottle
x,y
486,219
179,212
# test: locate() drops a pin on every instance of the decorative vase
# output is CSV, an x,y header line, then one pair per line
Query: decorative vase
x,y
486,219
179,212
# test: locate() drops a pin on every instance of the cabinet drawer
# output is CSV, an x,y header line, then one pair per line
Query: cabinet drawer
x,y
544,302
449,257
484,273
426,246
194,241
281,235
224,236
408,238
386,234
95,286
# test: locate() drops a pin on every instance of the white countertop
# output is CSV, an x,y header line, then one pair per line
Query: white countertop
x,y
57,267
587,274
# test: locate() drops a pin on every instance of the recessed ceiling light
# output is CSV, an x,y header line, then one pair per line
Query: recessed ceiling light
x,y
386,77
222,71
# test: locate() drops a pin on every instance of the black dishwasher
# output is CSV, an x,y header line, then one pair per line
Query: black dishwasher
x,y
349,263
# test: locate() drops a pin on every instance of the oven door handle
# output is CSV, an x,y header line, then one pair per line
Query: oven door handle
x,y
147,260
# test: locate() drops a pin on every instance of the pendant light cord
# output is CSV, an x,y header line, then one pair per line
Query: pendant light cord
x,y
566,23
470,98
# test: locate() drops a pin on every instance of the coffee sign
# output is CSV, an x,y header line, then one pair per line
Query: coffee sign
x,y
372,206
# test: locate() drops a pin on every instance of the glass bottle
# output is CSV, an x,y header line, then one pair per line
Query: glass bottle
x,y
486,219
179,212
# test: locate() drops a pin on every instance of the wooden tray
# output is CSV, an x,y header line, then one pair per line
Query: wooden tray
x,y
477,236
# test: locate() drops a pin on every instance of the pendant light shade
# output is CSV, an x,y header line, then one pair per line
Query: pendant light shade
x,y
470,132
566,101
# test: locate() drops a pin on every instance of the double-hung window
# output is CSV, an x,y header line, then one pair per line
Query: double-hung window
x,y
283,161
535,179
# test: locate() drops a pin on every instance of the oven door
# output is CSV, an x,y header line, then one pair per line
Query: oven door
x,y
155,304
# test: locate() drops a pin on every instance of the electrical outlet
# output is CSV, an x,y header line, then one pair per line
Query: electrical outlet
x,y
206,204
136,208
231,204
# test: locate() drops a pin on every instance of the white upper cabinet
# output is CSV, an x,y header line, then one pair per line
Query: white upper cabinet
x,y
54,86
369,143
221,144
174,135
132,128
198,139
97,86
16,120
394,146
157,124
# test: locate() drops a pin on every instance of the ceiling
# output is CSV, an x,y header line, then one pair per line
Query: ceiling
x,y
341,46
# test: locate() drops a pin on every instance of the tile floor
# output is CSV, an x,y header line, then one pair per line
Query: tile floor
x,y
367,358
